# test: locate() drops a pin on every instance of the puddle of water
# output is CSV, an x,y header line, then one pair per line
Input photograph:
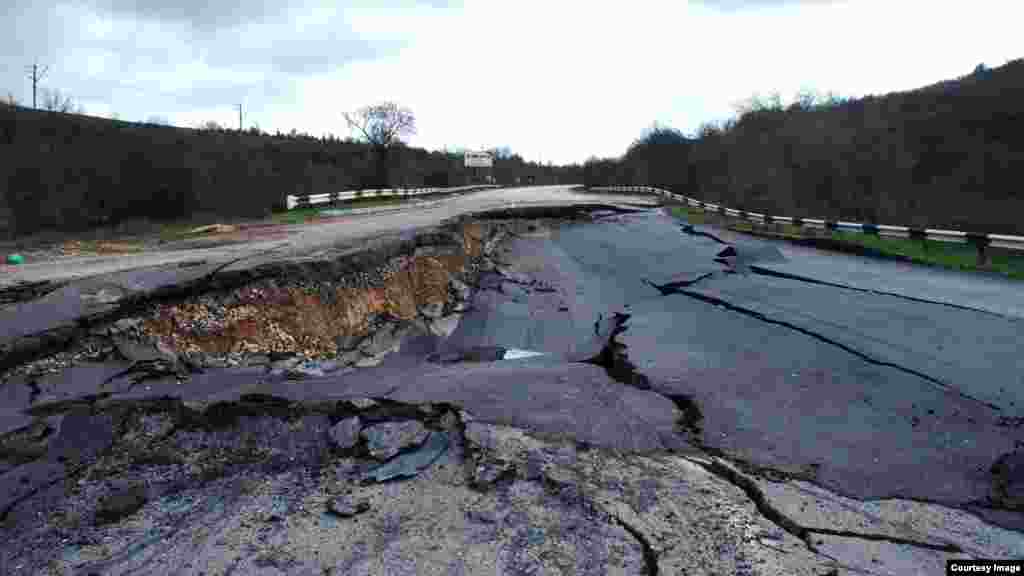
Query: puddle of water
x,y
72,555
328,521
534,536
515,354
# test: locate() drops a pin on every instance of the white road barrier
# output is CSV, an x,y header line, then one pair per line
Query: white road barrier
x,y
311,199
981,241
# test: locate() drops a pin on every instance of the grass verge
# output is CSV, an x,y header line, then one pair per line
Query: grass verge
x,y
929,252
691,215
936,253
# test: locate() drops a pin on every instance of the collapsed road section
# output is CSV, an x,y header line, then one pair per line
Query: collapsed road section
x,y
473,398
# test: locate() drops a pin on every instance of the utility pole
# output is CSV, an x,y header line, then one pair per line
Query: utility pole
x,y
36,74
239,117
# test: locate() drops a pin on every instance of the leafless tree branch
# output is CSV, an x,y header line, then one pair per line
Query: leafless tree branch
x,y
382,124
56,101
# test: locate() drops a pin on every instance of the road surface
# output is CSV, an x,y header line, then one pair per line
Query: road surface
x,y
764,410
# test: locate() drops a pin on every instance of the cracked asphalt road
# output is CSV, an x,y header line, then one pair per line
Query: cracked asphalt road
x,y
773,410
876,391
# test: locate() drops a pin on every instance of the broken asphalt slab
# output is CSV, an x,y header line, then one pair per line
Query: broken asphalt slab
x,y
569,461
269,502
865,426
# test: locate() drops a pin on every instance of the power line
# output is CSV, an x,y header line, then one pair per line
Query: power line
x,y
36,74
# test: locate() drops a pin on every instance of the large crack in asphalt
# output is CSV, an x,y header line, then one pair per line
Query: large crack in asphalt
x,y
650,555
615,360
24,291
777,274
672,287
216,416
689,229
760,270
945,386
680,287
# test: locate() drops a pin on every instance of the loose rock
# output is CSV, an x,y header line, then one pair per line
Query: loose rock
x,y
445,327
362,403
380,342
121,504
345,508
389,438
410,464
432,310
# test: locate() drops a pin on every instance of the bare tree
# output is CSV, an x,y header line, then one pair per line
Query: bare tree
x,y
56,101
211,125
382,124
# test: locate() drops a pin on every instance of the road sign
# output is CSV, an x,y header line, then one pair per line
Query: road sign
x,y
479,160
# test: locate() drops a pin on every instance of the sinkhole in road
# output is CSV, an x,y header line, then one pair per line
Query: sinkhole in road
x,y
349,309
299,318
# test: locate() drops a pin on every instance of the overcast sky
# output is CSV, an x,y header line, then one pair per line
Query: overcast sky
x,y
556,81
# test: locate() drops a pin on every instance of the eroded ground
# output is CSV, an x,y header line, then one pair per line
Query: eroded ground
x,y
471,400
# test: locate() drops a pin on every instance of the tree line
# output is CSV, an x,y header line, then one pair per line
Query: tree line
x,y
70,172
943,156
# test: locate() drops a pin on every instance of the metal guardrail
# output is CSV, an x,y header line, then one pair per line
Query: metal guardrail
x,y
981,241
294,201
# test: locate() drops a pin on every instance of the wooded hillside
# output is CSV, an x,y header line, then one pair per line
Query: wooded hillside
x,y
73,172
948,155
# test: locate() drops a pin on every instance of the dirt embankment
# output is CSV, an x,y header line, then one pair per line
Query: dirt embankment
x,y
311,318
353,310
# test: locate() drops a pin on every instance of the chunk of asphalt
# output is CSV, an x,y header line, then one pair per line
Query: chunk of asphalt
x,y
345,434
461,289
120,504
380,342
432,310
389,438
474,354
81,437
410,464
445,326
133,351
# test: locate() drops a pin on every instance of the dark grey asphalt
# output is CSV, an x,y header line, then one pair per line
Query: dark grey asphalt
x,y
871,393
